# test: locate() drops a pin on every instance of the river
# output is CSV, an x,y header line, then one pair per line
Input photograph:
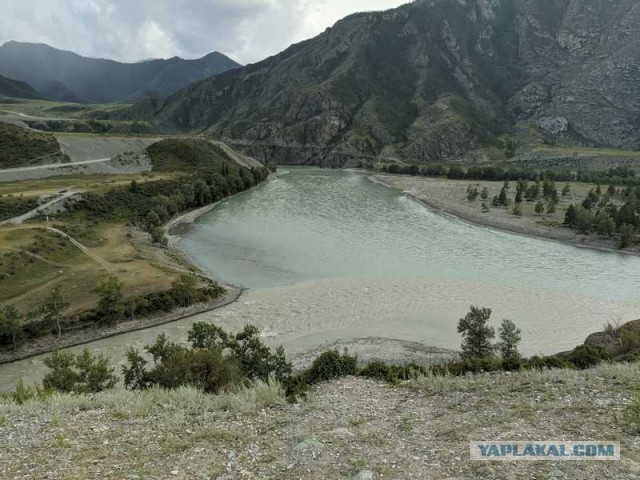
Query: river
x,y
328,255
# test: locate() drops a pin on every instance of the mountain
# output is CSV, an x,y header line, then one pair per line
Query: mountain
x,y
430,81
65,75
16,89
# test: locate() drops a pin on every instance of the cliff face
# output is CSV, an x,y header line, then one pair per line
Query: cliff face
x,y
431,81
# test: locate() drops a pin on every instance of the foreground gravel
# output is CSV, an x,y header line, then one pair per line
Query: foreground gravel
x,y
350,428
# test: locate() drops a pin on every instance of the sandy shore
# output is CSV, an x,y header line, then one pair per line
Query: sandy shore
x,y
449,197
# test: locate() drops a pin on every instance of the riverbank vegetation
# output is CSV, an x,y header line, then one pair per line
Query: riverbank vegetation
x,y
104,253
216,361
550,204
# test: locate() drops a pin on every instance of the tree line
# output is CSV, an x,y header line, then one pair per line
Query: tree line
x,y
113,307
622,176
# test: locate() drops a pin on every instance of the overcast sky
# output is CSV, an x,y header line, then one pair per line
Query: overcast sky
x,y
131,30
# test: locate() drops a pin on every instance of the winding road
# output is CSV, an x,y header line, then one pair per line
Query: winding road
x,y
36,211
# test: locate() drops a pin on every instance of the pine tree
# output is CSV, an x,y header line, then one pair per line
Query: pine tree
x,y
570,217
510,337
477,336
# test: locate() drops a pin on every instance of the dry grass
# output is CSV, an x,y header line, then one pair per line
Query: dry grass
x,y
76,272
85,183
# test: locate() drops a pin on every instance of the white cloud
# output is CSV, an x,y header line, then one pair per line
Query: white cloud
x,y
126,30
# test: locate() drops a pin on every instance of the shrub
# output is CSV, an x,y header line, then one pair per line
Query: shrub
x,y
78,374
255,359
585,356
630,340
215,361
631,416
330,365
377,370
548,363
111,304
176,366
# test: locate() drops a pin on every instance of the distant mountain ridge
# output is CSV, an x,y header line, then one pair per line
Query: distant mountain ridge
x,y
14,88
430,81
63,75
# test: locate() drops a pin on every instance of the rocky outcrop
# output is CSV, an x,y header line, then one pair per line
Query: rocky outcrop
x,y
430,81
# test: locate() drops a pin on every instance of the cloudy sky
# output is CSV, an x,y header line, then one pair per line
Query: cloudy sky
x,y
131,30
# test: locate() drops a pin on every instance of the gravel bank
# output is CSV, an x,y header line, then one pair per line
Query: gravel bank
x,y
449,197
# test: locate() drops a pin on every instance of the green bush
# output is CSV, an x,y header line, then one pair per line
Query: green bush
x,y
585,356
548,363
255,359
208,369
80,374
631,416
330,365
377,370
215,361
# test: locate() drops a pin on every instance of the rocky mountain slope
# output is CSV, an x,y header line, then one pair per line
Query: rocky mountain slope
x,y
15,89
429,81
62,75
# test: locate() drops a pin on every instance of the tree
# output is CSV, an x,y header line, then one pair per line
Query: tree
x,y
540,207
503,199
476,334
566,190
517,210
133,187
53,308
183,290
570,216
605,225
626,236
78,374
153,219
533,192
10,329
518,198
551,208
510,337
484,195
584,220
157,235
110,301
